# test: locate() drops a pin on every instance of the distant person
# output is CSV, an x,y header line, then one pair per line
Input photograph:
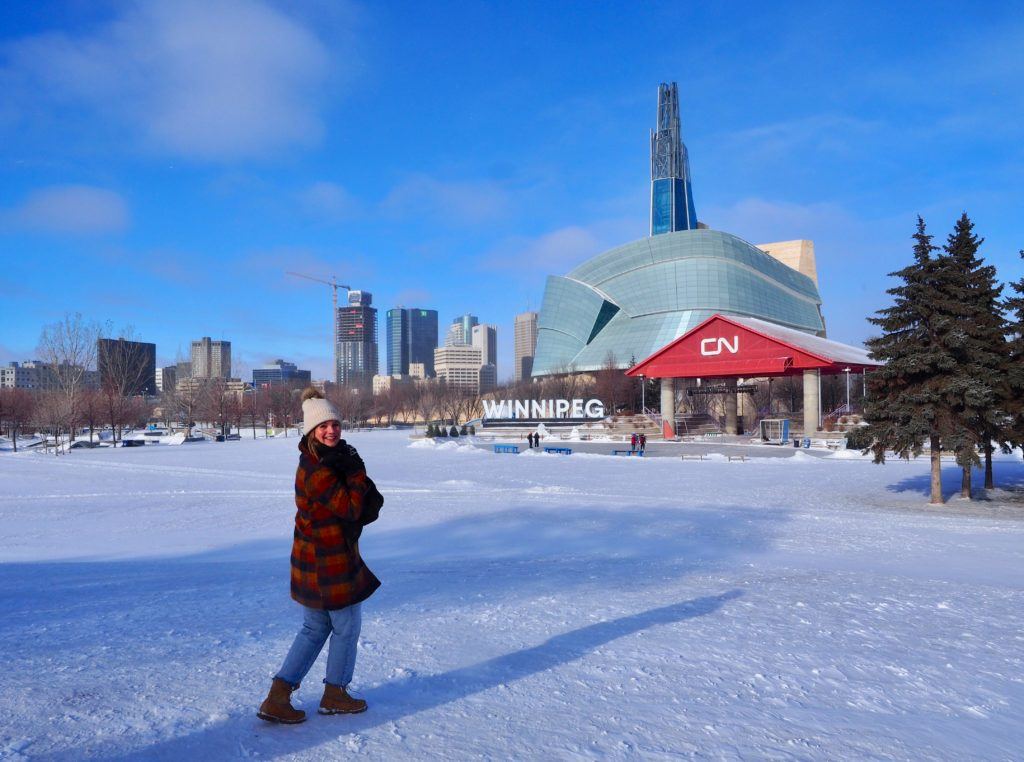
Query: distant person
x,y
643,442
335,500
529,438
633,442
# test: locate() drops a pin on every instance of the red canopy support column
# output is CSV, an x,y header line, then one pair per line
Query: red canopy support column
x,y
668,407
811,422
730,407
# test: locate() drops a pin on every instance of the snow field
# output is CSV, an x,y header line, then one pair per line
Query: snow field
x,y
533,607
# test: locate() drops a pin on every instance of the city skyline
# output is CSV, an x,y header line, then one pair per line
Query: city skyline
x,y
178,207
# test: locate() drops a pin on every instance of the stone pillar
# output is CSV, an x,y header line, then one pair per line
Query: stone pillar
x,y
668,407
730,406
811,422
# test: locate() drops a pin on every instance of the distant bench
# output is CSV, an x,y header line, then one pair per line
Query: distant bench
x,y
835,444
507,448
638,453
685,456
741,458
558,450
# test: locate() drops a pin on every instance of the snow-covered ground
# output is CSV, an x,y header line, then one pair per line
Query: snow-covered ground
x,y
534,607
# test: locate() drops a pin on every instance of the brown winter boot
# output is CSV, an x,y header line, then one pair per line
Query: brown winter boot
x,y
277,707
337,701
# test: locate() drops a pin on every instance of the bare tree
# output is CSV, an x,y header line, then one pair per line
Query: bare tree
x,y
235,410
92,409
423,400
613,387
282,402
68,347
214,404
16,410
49,416
123,369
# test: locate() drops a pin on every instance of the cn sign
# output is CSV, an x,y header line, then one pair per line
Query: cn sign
x,y
712,347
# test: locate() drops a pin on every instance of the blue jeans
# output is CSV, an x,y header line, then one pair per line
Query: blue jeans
x,y
342,626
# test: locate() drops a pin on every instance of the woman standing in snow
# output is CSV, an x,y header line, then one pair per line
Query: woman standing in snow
x,y
335,500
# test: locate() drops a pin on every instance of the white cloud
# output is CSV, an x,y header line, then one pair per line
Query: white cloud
x,y
208,80
71,209
557,251
468,202
413,297
817,133
328,201
761,221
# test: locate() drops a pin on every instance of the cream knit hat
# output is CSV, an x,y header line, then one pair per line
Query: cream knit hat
x,y
316,410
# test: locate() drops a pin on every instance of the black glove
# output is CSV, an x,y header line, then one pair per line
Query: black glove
x,y
343,459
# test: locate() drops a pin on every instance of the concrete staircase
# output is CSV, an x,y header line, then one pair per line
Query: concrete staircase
x,y
696,424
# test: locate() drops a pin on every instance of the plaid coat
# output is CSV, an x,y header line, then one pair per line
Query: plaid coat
x,y
327,571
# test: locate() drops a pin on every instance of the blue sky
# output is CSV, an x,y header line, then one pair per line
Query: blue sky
x,y
164,163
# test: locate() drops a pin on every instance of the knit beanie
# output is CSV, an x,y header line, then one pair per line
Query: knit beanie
x,y
316,410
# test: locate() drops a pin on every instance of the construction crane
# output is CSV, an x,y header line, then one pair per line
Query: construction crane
x,y
333,283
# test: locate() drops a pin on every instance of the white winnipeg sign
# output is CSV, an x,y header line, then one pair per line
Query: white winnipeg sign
x,y
538,409
715,346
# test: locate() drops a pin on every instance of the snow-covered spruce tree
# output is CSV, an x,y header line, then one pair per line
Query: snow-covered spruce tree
x,y
904,405
1014,390
969,297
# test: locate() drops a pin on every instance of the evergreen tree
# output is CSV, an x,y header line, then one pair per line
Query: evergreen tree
x,y
905,395
1014,390
968,298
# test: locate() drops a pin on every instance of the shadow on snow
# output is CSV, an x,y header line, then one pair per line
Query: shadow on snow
x,y
401,698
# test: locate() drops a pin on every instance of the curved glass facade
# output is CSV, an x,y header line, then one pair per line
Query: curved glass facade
x,y
635,299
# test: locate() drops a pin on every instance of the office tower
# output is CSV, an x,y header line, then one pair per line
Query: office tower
x,y
459,367
167,378
128,367
485,337
671,192
357,342
460,332
525,344
280,372
182,370
411,338
210,359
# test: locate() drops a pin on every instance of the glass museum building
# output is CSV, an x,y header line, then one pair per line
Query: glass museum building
x,y
627,303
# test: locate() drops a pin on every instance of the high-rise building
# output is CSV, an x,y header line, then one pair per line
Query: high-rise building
x,y
485,337
280,372
411,338
166,378
357,341
525,344
127,366
460,332
459,366
210,359
671,191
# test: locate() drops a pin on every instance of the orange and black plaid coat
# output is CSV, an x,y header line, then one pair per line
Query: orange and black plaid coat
x,y
327,570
